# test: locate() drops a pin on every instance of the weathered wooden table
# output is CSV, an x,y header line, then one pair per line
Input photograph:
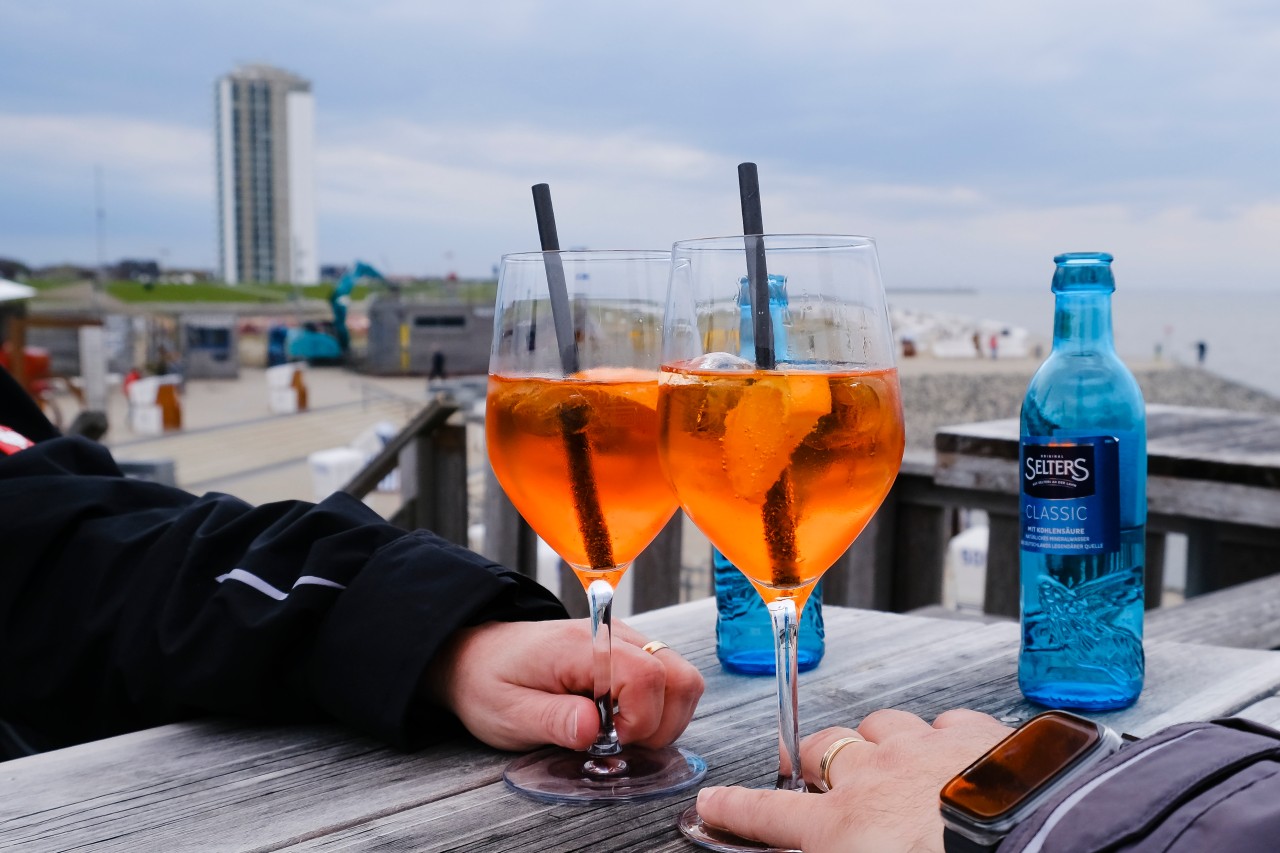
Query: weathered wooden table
x,y
1213,475
224,785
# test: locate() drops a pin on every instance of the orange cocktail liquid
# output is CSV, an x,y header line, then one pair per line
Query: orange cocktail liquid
x,y
579,459
781,469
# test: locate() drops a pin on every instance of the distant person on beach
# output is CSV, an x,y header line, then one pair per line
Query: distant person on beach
x,y
127,604
437,366
994,343
977,344
1202,350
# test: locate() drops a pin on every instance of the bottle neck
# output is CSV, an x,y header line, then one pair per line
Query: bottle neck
x,y
1082,321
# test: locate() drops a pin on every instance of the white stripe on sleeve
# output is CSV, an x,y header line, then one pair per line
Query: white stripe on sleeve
x,y
251,580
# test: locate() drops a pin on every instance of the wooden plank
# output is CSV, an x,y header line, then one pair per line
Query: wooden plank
x,y
1002,595
1153,572
1202,463
735,733
1182,442
228,786
1215,445
1265,711
656,572
1213,474
572,594
1245,616
1211,500
219,786
433,476
508,538
431,417
863,575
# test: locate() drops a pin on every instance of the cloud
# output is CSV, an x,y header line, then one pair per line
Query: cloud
x,y
137,155
424,195
411,168
466,189
996,129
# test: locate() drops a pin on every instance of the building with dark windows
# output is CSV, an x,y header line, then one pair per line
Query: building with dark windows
x,y
264,129
449,338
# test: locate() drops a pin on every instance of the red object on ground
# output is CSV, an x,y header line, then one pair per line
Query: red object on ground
x,y
37,363
129,378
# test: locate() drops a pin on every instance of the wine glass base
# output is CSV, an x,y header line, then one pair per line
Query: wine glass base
x,y
556,775
718,839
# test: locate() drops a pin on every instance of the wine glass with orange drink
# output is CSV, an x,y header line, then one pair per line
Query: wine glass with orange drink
x,y
780,459
572,432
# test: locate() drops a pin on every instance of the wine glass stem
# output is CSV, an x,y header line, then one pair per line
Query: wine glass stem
x,y
785,631
600,600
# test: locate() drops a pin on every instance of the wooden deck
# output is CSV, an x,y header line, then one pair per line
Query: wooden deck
x,y
227,786
1213,475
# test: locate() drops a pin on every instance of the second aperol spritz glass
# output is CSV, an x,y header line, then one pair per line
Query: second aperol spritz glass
x,y
572,431
780,459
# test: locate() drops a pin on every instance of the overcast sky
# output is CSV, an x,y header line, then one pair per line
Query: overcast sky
x,y
973,140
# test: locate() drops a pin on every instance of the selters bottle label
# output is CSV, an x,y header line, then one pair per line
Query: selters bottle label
x,y
1070,495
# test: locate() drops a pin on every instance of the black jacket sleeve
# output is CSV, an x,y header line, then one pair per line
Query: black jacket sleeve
x,y
126,604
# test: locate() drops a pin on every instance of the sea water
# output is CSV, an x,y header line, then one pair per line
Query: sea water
x,y
1238,328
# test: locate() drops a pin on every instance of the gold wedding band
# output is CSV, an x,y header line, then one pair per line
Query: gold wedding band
x,y
824,767
655,646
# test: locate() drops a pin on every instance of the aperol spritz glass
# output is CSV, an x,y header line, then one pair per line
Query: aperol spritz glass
x,y
780,459
572,432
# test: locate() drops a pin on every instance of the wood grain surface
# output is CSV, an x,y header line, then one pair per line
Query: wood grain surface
x,y
222,785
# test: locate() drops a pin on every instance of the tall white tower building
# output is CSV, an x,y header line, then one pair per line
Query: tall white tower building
x,y
265,143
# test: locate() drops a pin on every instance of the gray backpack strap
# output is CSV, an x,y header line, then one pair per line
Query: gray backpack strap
x,y
1148,796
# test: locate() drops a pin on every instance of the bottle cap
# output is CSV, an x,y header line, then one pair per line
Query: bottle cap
x,y
777,289
1083,271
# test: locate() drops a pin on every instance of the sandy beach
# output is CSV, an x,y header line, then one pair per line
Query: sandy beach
x,y
938,392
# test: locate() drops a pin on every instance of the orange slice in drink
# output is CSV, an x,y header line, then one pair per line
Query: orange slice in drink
x,y
772,417
635,384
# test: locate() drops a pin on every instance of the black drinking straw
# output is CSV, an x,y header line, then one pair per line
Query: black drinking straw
x,y
561,311
573,416
757,271
779,524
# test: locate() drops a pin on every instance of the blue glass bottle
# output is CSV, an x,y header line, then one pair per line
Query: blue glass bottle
x,y
1083,506
744,631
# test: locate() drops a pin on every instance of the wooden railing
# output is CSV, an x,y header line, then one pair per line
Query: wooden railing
x,y
431,454
896,564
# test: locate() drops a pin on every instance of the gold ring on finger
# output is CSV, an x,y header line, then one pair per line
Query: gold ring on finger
x,y
824,767
655,646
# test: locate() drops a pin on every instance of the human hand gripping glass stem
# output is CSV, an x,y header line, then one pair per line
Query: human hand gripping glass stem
x,y
522,685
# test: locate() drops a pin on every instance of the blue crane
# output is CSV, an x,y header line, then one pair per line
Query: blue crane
x,y
342,295
315,346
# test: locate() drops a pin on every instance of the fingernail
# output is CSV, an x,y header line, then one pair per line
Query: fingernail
x,y
705,794
573,729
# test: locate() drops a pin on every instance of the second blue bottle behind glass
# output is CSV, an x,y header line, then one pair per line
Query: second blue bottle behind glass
x,y
744,633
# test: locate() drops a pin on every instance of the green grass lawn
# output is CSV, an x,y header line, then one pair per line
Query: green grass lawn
x,y
132,291
45,284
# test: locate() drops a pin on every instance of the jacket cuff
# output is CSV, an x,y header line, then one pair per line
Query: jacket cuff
x,y
392,620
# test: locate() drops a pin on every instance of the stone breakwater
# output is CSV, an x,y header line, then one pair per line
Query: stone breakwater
x,y
935,399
